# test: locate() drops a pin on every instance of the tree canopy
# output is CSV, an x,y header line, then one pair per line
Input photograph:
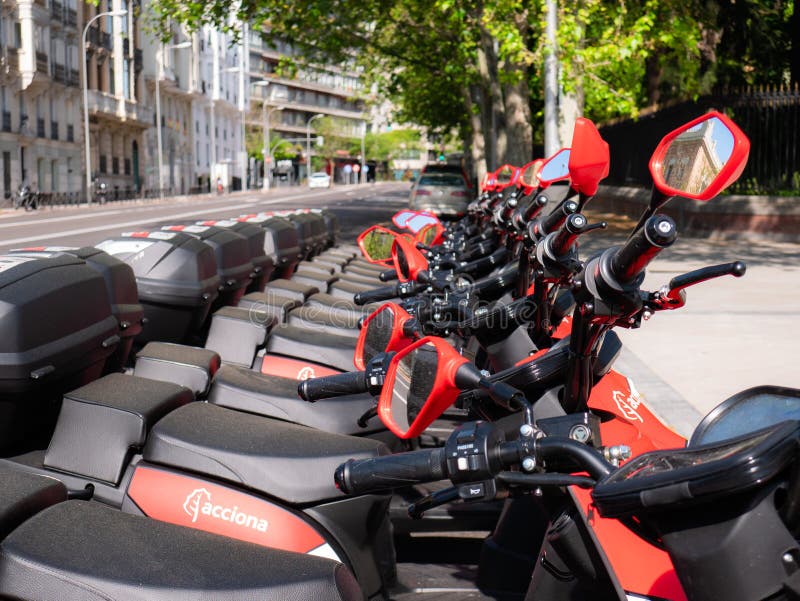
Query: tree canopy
x,y
475,66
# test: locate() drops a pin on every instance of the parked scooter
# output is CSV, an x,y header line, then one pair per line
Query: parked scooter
x,y
26,198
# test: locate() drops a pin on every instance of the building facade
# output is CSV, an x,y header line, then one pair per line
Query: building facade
x,y
289,104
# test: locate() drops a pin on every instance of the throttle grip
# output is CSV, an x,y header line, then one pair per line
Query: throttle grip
x,y
314,389
355,477
631,259
388,275
376,295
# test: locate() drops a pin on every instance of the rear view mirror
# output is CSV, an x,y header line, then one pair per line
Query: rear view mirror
x,y
430,234
556,168
700,159
407,259
506,176
529,175
414,220
589,160
488,183
381,332
376,244
420,384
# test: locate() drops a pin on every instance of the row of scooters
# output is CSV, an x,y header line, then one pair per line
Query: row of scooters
x,y
203,467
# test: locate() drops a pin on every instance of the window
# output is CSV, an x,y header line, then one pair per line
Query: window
x,y
197,130
126,78
17,34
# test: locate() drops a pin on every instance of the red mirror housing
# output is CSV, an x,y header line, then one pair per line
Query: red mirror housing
x,y
589,160
392,339
437,237
441,395
729,171
407,259
362,244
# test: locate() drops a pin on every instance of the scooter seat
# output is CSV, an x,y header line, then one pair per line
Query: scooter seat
x,y
273,396
293,463
325,319
347,290
23,495
314,345
85,551
290,289
339,304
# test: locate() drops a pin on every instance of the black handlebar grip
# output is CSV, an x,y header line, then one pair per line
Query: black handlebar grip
x,y
567,234
376,295
352,382
388,275
632,258
557,217
357,477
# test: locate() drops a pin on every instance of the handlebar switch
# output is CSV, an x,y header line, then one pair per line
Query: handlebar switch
x,y
470,452
478,491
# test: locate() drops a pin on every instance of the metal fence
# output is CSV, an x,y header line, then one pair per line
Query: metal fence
x,y
769,117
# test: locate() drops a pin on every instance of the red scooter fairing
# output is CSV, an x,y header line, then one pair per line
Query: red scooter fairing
x,y
408,260
294,369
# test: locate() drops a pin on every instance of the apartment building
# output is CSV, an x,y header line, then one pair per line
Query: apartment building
x,y
329,90
40,95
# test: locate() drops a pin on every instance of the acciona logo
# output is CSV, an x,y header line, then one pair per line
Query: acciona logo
x,y
199,503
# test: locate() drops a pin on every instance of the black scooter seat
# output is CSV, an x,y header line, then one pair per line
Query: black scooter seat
x,y
80,551
22,495
293,463
314,345
325,320
247,390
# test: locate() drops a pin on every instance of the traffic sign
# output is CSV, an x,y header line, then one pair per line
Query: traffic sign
x,y
356,168
348,168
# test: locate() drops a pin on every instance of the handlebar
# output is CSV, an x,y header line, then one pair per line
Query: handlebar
x,y
353,382
356,477
484,455
567,234
631,259
376,295
388,275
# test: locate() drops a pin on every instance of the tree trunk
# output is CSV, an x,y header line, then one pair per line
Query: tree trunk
x,y
518,124
477,143
653,73
795,56
495,124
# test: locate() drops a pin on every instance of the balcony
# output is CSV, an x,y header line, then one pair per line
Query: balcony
x,y
59,73
10,60
106,106
105,40
41,62
6,120
71,17
40,133
54,130
73,77
70,133
56,10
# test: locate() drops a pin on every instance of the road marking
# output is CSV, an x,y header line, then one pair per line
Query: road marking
x,y
140,222
56,219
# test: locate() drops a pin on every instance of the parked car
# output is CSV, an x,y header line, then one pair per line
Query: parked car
x,y
320,179
431,168
440,193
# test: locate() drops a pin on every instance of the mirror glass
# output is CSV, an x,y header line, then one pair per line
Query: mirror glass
x,y
556,167
401,217
413,384
377,244
747,412
694,159
530,174
419,221
378,333
427,234
504,174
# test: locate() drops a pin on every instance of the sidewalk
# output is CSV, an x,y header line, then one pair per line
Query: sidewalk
x,y
732,334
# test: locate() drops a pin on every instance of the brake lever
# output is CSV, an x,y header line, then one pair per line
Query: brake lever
x,y
435,499
673,296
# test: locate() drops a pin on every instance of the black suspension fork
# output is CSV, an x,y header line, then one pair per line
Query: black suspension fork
x,y
582,344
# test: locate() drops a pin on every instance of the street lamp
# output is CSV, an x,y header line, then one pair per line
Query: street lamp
x,y
243,151
308,145
159,67
363,153
111,13
266,114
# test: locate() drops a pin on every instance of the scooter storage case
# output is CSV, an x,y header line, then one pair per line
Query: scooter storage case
x,y
177,279
121,287
56,332
263,264
232,252
281,241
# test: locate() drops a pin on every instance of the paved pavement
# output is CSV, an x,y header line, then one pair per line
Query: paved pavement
x,y
732,334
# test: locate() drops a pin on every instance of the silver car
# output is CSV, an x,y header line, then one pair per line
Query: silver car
x,y
440,193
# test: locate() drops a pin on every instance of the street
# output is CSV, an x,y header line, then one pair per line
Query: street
x,y
732,334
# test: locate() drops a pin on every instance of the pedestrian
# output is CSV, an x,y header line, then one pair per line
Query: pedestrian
x,y
220,188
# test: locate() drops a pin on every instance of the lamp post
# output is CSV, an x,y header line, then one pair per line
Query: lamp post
x,y
266,114
363,154
159,67
111,13
243,151
308,145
